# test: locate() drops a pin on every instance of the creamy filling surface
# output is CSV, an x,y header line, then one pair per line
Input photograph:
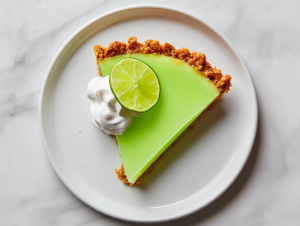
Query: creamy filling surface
x,y
185,93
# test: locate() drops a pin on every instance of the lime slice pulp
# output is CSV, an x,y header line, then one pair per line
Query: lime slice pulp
x,y
135,85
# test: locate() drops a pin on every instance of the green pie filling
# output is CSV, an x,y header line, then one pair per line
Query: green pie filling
x,y
185,94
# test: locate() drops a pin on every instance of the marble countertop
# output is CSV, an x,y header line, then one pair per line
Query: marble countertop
x,y
266,33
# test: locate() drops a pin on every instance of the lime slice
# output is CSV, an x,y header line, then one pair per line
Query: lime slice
x,y
135,85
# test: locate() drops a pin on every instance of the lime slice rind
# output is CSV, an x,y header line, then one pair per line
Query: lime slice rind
x,y
135,85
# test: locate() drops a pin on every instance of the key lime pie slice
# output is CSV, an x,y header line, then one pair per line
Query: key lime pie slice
x,y
148,95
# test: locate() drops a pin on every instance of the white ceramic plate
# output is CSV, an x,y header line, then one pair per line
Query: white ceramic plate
x,y
192,174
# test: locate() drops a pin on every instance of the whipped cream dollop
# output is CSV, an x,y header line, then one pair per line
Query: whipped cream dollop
x,y
107,113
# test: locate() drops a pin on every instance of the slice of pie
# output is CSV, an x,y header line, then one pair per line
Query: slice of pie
x,y
189,86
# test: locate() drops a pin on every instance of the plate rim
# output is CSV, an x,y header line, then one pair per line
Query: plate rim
x,y
78,31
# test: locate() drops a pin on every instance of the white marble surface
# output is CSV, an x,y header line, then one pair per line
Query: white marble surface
x,y
266,33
